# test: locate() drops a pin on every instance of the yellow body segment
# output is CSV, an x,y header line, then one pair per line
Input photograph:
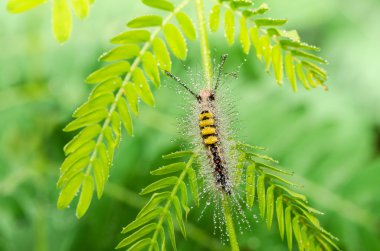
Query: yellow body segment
x,y
210,140
206,115
206,122
208,131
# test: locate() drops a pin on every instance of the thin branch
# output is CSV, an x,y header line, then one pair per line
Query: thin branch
x,y
205,50
230,224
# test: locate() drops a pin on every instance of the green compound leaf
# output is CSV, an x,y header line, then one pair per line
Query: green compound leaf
x,y
87,120
142,87
178,213
125,115
270,205
288,227
214,18
172,168
250,185
81,8
140,245
267,51
153,203
108,72
244,35
308,56
163,239
19,6
271,43
261,194
74,165
270,22
142,232
229,26
169,221
132,97
235,4
278,63
292,193
106,87
151,68
301,75
184,197
61,13
160,184
239,169
62,20
159,4
254,32
280,215
176,41
133,36
290,70
145,21
143,219
193,185
85,196
257,11
127,51
186,25
162,54
155,218
99,175
69,191
298,219
297,233
73,161
118,89
86,135
177,154
94,103
298,45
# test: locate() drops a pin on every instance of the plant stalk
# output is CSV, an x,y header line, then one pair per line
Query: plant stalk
x,y
205,50
230,224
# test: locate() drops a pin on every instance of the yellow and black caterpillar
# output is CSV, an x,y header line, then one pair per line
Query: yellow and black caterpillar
x,y
209,131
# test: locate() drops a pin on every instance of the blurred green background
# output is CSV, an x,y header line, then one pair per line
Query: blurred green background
x,y
330,139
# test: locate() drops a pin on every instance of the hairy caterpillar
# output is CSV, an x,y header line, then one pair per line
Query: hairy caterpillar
x,y
209,130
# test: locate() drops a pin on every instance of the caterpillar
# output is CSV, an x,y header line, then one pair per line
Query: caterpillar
x,y
209,129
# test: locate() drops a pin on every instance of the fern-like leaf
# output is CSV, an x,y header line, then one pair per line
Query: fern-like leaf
x,y
296,219
61,13
276,200
278,48
138,56
156,218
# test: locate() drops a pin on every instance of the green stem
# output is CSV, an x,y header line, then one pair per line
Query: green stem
x,y
205,50
230,224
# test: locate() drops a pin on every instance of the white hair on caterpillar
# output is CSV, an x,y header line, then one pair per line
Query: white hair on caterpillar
x,y
209,125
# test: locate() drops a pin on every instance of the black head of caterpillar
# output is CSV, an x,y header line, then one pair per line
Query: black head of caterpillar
x,y
209,129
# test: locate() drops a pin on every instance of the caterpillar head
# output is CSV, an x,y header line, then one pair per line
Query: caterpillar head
x,y
205,95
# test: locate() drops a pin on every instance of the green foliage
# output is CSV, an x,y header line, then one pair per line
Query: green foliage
x,y
294,216
119,85
156,217
140,55
61,13
271,42
275,196
339,176
19,6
